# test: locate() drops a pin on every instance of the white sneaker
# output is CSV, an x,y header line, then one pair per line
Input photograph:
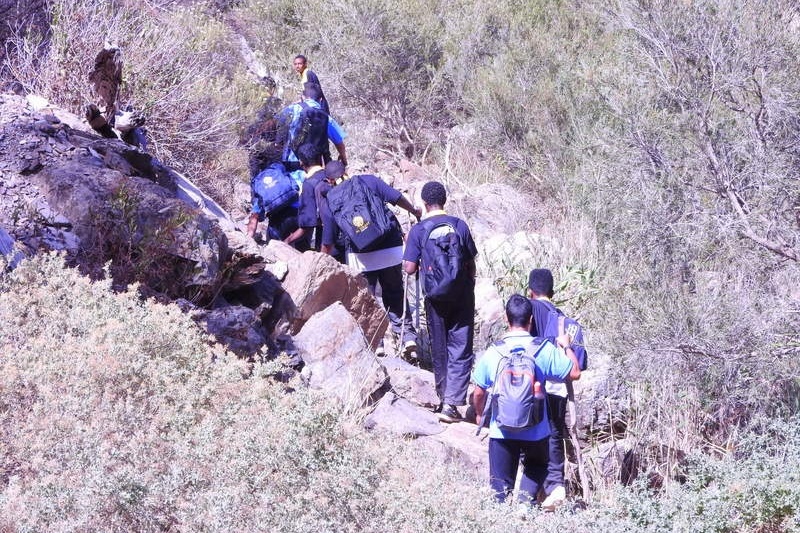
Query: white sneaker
x,y
410,349
556,498
380,351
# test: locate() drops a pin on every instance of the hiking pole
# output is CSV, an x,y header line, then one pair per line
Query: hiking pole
x,y
403,318
572,412
573,435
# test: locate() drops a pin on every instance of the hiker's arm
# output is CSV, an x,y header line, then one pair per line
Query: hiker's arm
x,y
563,341
342,152
478,403
409,267
252,225
293,236
408,206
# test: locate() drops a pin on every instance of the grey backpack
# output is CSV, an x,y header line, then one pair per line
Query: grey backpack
x,y
516,398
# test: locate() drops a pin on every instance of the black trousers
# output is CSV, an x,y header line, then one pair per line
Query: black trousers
x,y
451,329
504,457
557,413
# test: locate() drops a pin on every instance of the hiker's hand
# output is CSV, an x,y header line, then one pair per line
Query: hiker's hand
x,y
563,341
417,212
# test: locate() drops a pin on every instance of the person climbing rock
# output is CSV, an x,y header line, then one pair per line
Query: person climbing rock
x,y
300,65
343,199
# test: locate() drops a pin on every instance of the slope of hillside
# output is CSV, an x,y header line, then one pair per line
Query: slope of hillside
x,y
645,153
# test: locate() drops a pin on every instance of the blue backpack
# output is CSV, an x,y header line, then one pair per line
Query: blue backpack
x,y
558,322
516,399
273,189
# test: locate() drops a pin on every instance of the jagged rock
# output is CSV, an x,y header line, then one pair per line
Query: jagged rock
x,y
316,280
459,444
237,327
490,316
612,462
410,382
398,416
337,357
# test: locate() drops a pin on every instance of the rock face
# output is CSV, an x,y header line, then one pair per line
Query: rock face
x,y
100,200
314,281
397,416
337,357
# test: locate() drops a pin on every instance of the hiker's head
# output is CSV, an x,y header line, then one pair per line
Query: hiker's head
x,y
311,90
540,282
433,194
299,63
334,170
519,311
308,155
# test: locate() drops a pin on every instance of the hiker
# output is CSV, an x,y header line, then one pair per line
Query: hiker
x,y
449,295
380,261
274,197
300,65
308,222
531,443
545,324
305,122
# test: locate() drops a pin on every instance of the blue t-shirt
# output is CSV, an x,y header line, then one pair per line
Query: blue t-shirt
x,y
414,241
382,190
551,364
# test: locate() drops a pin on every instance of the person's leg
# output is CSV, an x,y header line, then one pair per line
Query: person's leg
x,y
503,463
392,294
437,335
460,326
535,455
556,412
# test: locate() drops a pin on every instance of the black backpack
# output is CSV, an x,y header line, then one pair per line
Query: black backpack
x,y
313,129
360,214
443,262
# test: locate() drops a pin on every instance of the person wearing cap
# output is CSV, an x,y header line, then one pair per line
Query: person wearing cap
x,y
450,324
300,65
379,267
540,292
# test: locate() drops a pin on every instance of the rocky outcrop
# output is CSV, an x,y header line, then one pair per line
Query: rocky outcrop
x,y
338,359
315,281
103,201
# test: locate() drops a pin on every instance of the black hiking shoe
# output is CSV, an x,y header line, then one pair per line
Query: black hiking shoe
x,y
448,413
